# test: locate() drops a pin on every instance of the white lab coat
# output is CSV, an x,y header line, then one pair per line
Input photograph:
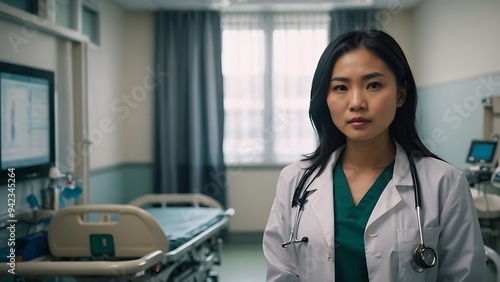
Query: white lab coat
x,y
449,219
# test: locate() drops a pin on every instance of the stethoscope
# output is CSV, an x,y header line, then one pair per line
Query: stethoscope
x,y
423,257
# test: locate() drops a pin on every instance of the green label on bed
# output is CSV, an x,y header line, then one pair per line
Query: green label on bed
x,y
102,244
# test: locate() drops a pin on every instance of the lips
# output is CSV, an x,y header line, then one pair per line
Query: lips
x,y
358,119
358,122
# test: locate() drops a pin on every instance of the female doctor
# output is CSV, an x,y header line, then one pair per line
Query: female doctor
x,y
371,203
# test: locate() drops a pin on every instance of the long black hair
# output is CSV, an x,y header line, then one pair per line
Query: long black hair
x,y
402,129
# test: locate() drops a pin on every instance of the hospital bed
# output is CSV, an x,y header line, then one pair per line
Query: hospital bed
x,y
157,237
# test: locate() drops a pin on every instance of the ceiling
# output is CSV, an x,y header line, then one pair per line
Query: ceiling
x,y
262,5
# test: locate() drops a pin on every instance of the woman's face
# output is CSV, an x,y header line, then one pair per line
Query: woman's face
x,y
363,96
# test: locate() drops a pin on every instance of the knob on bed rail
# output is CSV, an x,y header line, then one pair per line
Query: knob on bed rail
x,y
229,212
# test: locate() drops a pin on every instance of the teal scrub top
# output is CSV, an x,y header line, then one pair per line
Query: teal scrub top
x,y
350,224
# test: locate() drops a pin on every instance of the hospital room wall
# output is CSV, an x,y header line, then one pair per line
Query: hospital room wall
x,y
457,47
121,88
40,50
121,92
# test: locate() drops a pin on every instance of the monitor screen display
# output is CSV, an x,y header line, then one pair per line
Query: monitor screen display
x,y
27,114
482,152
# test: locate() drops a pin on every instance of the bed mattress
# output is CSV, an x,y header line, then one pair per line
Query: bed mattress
x,y
181,224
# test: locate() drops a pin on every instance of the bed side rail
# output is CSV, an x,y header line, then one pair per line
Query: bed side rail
x,y
87,268
163,199
120,231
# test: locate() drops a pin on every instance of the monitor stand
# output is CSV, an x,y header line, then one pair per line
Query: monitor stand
x,y
477,174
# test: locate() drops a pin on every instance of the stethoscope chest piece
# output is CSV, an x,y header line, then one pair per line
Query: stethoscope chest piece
x,y
423,258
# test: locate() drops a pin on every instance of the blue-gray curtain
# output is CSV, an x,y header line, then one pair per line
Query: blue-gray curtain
x,y
343,21
189,104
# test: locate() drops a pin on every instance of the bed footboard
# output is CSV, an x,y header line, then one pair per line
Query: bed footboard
x,y
120,231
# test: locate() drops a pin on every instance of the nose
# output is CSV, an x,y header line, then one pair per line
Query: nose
x,y
358,101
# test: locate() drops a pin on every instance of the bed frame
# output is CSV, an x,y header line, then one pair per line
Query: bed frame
x,y
99,242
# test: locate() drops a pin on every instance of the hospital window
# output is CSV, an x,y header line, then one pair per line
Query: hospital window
x,y
90,20
30,6
268,61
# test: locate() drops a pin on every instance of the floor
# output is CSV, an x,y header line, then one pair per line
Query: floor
x,y
242,262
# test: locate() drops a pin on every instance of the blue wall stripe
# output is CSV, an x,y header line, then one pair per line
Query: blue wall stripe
x,y
120,184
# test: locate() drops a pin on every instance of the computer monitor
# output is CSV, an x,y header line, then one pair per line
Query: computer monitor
x,y
27,130
482,152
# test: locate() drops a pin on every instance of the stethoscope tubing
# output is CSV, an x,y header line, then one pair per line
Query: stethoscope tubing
x,y
300,198
416,191
295,230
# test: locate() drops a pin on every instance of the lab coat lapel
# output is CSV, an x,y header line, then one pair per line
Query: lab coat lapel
x,y
321,201
401,179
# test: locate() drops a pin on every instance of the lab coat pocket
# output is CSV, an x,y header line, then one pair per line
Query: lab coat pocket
x,y
408,240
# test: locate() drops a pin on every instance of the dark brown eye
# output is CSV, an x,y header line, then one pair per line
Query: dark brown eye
x,y
340,88
374,85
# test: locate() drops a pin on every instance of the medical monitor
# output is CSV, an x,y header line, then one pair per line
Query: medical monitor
x,y
482,152
27,130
